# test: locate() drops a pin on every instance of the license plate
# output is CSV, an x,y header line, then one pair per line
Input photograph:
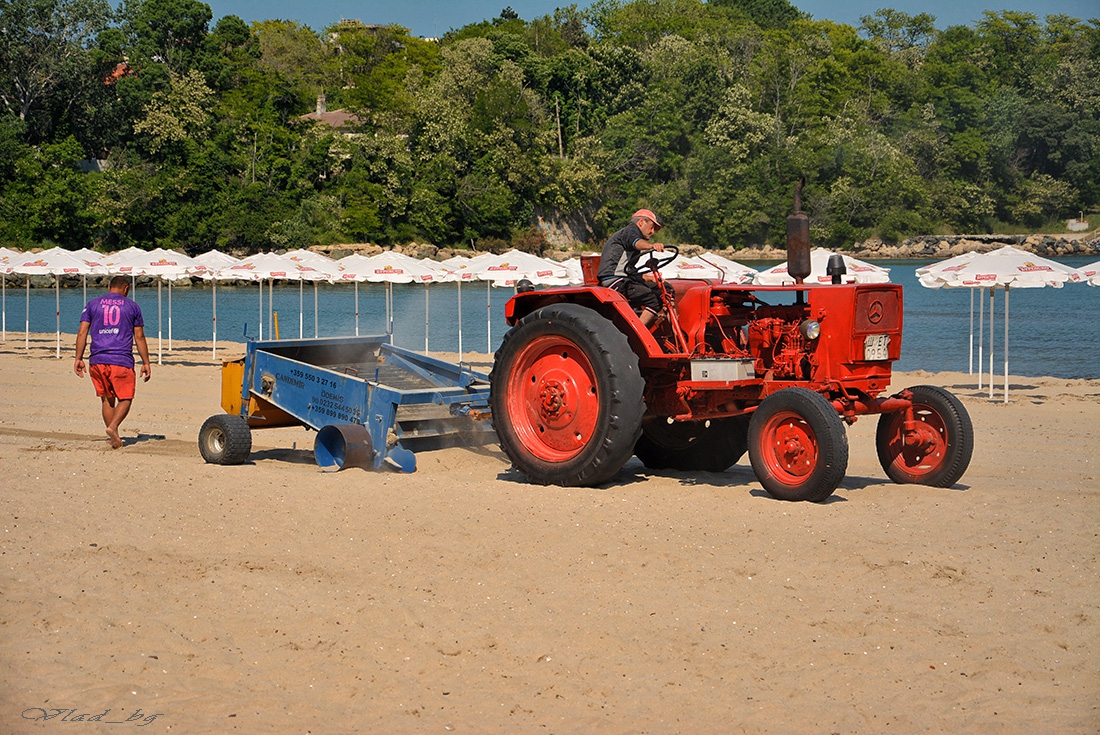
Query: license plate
x,y
876,347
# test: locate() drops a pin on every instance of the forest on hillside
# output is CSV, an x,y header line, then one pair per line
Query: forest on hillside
x,y
150,125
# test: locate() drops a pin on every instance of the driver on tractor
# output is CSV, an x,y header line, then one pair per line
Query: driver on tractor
x,y
619,260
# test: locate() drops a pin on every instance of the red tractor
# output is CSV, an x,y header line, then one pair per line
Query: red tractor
x,y
579,385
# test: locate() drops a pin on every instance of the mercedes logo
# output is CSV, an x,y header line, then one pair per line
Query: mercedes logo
x,y
875,312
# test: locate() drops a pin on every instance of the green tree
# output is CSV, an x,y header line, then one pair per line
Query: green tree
x,y
177,115
42,46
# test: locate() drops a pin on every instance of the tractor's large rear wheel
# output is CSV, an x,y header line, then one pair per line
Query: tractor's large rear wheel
x,y
797,445
709,446
566,396
934,447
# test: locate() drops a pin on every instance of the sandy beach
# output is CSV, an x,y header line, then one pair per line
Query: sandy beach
x,y
143,587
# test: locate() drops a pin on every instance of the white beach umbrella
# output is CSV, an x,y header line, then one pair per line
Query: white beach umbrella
x,y
389,267
858,271
7,259
930,276
572,266
732,271
55,262
354,269
1091,273
313,267
215,259
261,267
507,269
459,268
94,261
206,266
1005,268
683,266
163,265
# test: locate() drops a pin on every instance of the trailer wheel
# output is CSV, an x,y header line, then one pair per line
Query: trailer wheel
x,y
693,445
566,396
797,445
936,449
225,439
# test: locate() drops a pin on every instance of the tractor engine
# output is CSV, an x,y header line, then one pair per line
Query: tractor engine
x,y
781,351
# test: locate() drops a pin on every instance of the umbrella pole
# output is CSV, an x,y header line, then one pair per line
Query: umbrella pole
x,y
315,321
489,319
169,316
271,309
4,308
460,320
27,333
261,319
1006,343
425,318
214,321
992,300
981,336
160,338
970,363
301,313
57,305
357,308
84,284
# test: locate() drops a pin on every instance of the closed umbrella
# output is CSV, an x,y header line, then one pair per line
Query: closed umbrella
x,y
1005,268
858,271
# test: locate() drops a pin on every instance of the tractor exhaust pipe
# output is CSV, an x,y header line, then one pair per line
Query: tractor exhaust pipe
x,y
798,238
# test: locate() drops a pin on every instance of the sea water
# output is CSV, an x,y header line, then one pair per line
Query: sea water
x,y
1052,331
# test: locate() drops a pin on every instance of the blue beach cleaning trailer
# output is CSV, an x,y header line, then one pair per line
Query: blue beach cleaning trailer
x,y
371,403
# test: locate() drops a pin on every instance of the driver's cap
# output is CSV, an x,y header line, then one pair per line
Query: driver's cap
x,y
648,215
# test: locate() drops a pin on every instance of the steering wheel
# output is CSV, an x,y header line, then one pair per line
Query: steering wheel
x,y
657,261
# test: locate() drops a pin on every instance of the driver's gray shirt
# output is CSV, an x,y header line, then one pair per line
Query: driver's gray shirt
x,y
619,252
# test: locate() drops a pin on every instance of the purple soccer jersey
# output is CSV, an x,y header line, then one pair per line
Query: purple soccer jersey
x,y
112,318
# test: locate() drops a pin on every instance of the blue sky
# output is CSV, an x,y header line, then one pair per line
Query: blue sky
x,y
436,17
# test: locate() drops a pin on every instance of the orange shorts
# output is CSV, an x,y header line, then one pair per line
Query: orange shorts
x,y
113,381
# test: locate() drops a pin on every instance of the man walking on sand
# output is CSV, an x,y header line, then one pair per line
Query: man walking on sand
x,y
115,324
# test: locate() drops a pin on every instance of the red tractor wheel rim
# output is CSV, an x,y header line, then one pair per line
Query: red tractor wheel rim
x,y
552,399
919,448
789,448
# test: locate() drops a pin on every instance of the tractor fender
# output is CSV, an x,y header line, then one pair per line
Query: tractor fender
x,y
607,302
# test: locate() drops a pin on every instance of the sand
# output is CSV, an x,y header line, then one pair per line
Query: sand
x,y
141,584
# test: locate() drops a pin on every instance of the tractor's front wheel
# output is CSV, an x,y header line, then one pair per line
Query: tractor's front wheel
x,y
932,445
566,396
710,446
797,445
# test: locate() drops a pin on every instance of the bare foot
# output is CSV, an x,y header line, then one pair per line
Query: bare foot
x,y
116,440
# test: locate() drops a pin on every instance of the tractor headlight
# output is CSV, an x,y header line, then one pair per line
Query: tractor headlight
x,y
810,329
